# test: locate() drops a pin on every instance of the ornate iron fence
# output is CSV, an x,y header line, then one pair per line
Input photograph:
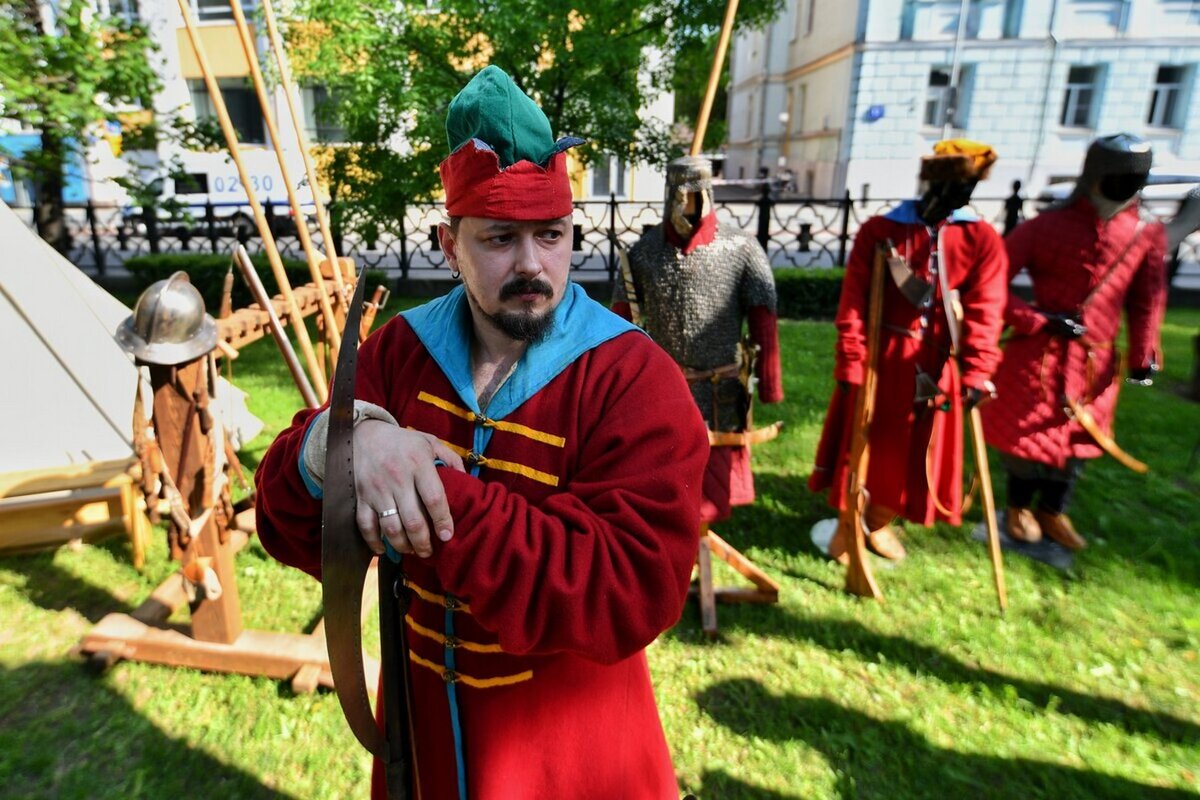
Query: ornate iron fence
x,y
795,232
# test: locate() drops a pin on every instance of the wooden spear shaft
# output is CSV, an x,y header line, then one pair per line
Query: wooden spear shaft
x,y
714,77
260,219
260,88
983,469
281,339
310,172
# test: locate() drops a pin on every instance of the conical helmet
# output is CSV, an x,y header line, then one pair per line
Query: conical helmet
x,y
168,325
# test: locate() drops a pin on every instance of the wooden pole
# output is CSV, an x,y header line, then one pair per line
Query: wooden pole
x,y
260,219
260,88
285,346
310,172
714,77
859,578
989,506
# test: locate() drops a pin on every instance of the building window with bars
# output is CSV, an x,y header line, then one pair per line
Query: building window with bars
x,y
1081,100
240,102
608,176
943,103
1166,100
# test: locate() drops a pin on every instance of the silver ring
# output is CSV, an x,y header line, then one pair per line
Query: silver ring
x,y
391,512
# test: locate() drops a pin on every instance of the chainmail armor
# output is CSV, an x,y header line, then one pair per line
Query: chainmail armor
x,y
694,306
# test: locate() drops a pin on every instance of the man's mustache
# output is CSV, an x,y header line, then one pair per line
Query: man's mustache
x,y
520,286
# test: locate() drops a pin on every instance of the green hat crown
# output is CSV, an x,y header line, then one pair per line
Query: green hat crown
x,y
492,109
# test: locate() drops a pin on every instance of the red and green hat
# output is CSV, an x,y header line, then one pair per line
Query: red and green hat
x,y
504,162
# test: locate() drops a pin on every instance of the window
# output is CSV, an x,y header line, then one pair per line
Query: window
x,y
1182,12
1012,18
1094,17
241,103
608,176
810,17
1165,105
938,19
1080,103
940,98
216,10
320,115
126,10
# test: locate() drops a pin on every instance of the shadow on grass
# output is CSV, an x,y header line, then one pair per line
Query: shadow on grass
x,y
720,785
881,758
64,735
839,635
53,588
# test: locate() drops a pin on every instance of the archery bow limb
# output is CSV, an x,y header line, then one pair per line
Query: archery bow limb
x,y
859,578
983,470
345,560
714,78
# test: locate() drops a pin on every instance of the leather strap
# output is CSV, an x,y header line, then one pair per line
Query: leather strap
x,y
1080,414
742,438
345,559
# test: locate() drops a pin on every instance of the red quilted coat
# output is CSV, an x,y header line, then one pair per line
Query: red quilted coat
x,y
1076,261
913,448
572,551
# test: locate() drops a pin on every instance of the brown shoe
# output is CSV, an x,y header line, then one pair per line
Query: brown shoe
x,y
884,542
1020,524
1059,528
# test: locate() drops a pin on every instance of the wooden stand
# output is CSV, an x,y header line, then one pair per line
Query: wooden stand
x,y
215,640
765,589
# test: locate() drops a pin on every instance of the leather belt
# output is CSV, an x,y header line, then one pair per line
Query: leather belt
x,y
743,438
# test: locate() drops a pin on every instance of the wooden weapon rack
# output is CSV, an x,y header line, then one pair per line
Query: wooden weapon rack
x,y
215,641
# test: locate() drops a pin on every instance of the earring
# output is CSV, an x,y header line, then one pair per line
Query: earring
x,y
454,273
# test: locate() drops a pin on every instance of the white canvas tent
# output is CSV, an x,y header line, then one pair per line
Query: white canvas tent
x,y
66,401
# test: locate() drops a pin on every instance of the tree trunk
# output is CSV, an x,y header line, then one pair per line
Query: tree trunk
x,y
49,212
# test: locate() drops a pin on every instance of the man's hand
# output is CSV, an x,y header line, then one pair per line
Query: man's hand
x,y
400,495
1064,326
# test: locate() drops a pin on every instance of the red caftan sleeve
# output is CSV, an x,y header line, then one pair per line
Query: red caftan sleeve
x,y
1146,303
851,316
1020,246
602,567
621,309
288,516
983,300
764,332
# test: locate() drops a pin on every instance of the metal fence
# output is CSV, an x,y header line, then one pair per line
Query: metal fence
x,y
795,232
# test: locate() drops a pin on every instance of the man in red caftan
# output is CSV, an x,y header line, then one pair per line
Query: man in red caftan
x,y
705,293
1088,260
538,461
947,262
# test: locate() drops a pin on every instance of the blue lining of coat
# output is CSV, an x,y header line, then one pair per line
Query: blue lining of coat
x,y
580,324
906,214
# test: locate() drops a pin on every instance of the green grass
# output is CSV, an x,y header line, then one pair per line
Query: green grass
x,y
1089,687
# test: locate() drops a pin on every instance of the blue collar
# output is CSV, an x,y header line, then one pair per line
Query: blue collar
x,y
906,214
444,327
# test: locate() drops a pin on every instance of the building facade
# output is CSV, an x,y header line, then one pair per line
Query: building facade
x,y
846,96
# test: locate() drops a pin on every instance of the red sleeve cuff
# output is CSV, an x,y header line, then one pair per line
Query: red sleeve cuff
x,y
622,310
764,331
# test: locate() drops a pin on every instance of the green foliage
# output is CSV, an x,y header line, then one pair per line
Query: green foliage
x,y
808,293
394,67
207,273
1087,688
64,80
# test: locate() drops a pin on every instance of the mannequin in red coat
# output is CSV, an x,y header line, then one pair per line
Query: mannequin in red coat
x,y
915,468
1088,259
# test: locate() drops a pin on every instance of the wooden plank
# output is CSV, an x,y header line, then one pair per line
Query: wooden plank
x,y
737,595
708,603
747,568
71,476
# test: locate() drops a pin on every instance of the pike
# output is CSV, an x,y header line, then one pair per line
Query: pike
x,y
345,561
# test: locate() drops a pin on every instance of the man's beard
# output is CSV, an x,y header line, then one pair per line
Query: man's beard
x,y
523,326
